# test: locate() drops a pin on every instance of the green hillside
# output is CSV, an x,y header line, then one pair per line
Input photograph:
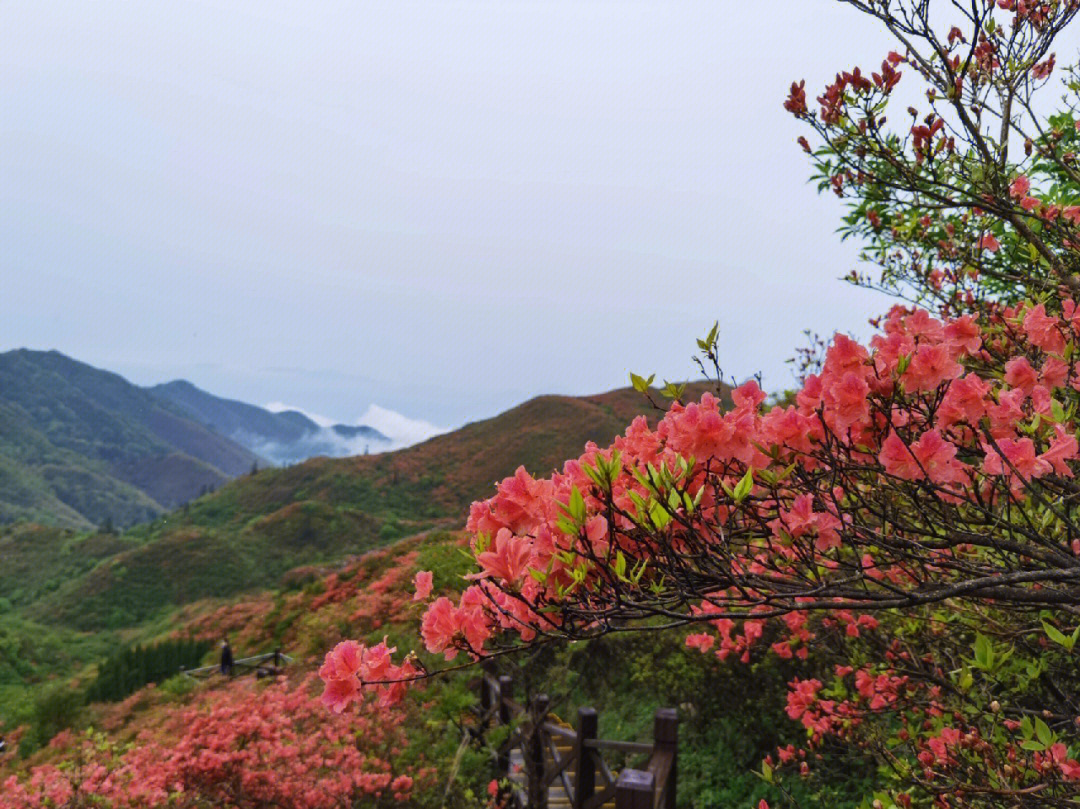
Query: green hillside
x,y
251,531
80,446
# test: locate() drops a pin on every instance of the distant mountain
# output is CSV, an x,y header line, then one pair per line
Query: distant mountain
x,y
80,446
284,437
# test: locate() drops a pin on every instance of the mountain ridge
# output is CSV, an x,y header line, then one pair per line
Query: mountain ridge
x,y
102,447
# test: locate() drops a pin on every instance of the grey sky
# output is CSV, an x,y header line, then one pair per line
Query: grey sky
x,y
441,207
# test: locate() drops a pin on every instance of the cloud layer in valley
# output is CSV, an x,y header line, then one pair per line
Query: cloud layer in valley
x,y
340,440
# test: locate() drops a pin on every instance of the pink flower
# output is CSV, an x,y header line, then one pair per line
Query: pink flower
x,y
939,746
1020,187
401,786
339,693
377,664
343,661
786,427
964,334
1020,375
472,621
701,430
930,366
1054,372
965,400
1043,69
846,401
439,625
1042,329
748,395
988,242
920,324
802,694
701,641
422,585
803,520
1062,448
1020,454
845,355
1006,413
509,560
931,457
937,457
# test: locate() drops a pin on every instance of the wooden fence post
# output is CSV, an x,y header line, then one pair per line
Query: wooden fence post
x,y
585,781
487,699
534,753
666,740
635,789
506,691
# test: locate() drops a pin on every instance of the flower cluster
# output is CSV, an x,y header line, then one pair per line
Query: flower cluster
x,y
350,665
242,746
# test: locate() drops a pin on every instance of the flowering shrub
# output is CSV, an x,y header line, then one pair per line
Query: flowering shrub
x,y
243,746
915,498
906,525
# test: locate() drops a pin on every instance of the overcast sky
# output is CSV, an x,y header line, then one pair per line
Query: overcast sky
x,y
439,207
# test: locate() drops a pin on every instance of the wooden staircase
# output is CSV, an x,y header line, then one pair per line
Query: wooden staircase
x,y
552,765
560,793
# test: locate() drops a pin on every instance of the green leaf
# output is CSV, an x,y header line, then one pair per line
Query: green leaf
x,y
576,506
966,679
594,474
659,516
567,526
638,501
641,384
984,652
1056,635
620,565
687,503
1057,411
743,487
1043,732
709,343
672,391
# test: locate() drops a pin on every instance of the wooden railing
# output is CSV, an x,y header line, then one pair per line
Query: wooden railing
x,y
261,665
543,757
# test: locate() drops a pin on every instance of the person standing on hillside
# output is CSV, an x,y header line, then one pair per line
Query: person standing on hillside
x,y
226,657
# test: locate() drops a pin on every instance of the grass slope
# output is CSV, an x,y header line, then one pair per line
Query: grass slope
x,y
732,715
